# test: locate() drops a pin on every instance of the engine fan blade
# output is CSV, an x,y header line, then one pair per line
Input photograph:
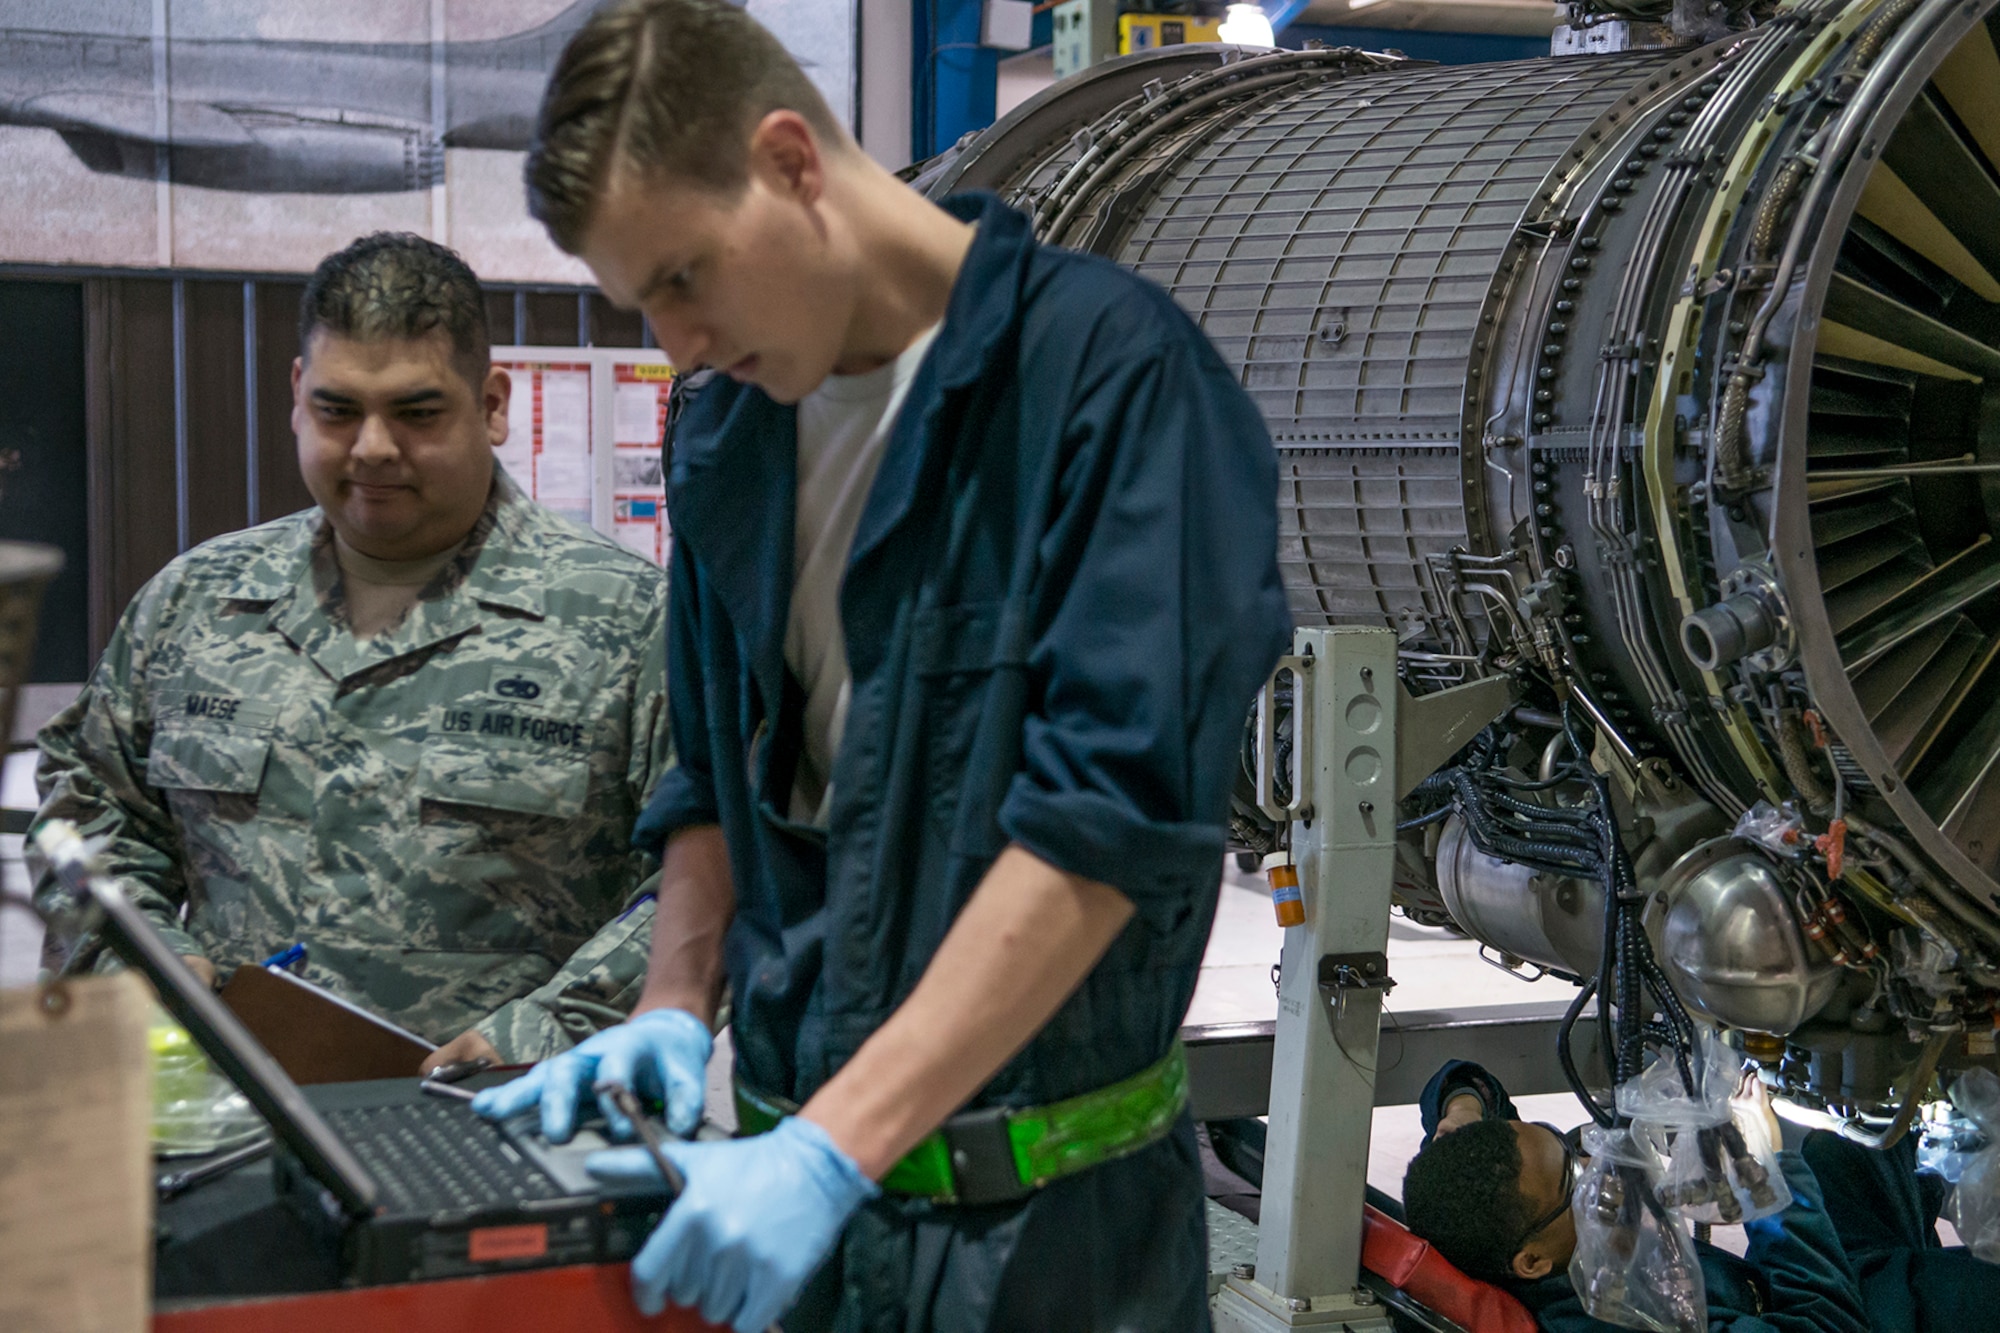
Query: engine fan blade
x,y
1914,721
1950,176
1962,792
1884,684
1894,206
1837,521
1967,81
1950,588
1876,557
1879,317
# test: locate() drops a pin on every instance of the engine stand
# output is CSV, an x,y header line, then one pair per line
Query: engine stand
x,y
1360,742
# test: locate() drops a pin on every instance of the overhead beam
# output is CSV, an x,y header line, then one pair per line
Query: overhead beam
x,y
1229,1064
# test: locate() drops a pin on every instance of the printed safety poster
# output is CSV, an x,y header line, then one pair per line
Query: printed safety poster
x,y
638,483
548,447
584,429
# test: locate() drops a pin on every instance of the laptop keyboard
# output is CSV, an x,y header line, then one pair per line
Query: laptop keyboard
x,y
430,1156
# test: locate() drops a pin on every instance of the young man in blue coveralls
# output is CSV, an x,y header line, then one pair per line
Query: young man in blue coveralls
x,y
1857,1250
974,580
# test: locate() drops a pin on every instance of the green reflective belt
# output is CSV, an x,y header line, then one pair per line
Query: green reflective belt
x,y
1006,1153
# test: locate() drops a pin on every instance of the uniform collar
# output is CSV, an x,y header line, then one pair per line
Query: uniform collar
x,y
508,570
279,561
504,572
732,489
982,314
987,294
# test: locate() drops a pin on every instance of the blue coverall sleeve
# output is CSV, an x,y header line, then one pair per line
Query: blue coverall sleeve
x,y
1454,1077
1813,1286
1160,562
684,797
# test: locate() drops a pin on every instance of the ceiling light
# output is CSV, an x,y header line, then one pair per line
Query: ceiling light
x,y
1246,25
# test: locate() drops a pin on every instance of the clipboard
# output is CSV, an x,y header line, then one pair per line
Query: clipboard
x,y
314,1035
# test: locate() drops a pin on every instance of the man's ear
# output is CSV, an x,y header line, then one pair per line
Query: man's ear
x,y
494,396
784,147
1530,1264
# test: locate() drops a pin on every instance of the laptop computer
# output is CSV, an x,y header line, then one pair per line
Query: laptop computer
x,y
410,1186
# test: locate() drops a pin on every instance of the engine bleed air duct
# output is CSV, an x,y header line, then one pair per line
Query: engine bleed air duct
x,y
1669,378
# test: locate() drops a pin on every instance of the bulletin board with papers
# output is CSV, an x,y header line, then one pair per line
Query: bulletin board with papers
x,y
584,430
638,483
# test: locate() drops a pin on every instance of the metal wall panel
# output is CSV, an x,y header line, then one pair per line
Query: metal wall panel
x,y
212,478
130,408
275,314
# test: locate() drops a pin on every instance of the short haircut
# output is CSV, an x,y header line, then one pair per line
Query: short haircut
x,y
1462,1193
393,284
670,88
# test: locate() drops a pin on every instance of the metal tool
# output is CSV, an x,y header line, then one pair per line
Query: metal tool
x,y
457,1071
649,1133
180,1182
434,1088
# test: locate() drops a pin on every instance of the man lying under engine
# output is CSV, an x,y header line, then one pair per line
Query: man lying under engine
x,y
1856,1250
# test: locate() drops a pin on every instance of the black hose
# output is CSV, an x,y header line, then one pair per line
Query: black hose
x,y
1580,841
1607,970
1567,1057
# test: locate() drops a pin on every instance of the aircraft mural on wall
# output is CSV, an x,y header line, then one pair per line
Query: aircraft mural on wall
x,y
264,116
254,136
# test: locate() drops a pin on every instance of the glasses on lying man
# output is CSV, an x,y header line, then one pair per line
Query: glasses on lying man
x,y
1572,1166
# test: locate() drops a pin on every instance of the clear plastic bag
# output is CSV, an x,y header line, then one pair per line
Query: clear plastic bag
x,y
1975,1206
1775,827
1635,1263
1659,1096
1929,965
195,1109
1720,1165
1949,1145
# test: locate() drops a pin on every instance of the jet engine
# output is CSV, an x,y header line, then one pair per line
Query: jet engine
x,y
1666,383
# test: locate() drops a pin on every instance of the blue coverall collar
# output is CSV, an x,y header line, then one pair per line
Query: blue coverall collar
x,y
732,489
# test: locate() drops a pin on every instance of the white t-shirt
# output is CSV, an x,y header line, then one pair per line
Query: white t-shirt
x,y
844,426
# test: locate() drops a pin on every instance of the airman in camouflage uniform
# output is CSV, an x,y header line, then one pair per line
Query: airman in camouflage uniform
x,y
441,812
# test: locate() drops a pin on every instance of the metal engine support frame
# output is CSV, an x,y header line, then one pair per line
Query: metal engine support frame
x,y
1360,742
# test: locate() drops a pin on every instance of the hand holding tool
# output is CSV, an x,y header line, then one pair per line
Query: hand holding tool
x,y
754,1219
661,1053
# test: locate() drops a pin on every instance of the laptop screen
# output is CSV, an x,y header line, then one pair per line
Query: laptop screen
x,y
218,1032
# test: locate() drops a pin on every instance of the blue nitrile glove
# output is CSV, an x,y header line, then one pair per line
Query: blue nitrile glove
x,y
661,1053
757,1217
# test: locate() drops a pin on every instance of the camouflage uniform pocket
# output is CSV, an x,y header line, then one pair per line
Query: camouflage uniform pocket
x,y
207,759
522,781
